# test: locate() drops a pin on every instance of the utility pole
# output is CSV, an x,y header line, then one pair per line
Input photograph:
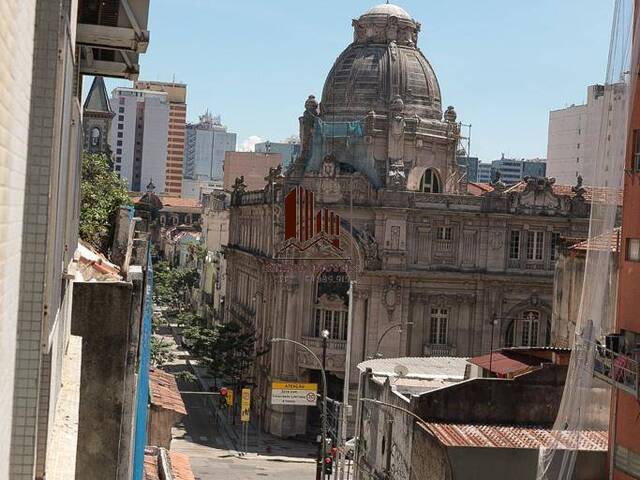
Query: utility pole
x,y
494,321
324,389
320,459
347,378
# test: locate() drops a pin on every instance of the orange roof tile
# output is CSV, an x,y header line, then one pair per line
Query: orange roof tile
x,y
475,188
150,464
606,241
598,194
163,391
181,466
172,201
500,436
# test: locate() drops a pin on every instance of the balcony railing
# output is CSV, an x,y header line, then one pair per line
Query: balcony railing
x,y
315,342
437,350
616,369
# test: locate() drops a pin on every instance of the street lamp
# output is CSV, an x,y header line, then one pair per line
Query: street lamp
x,y
324,387
494,322
377,353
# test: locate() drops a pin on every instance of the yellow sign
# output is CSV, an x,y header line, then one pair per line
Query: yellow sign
x,y
230,398
290,393
245,406
295,386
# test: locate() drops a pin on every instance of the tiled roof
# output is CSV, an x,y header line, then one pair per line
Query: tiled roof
x,y
418,367
171,201
180,465
93,266
163,391
506,365
475,188
607,241
497,436
598,194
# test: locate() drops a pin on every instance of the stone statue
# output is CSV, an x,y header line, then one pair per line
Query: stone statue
x,y
579,189
396,130
238,190
307,125
329,166
397,176
498,185
450,115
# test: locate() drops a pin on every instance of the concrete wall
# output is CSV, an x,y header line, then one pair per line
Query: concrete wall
x,y
102,316
16,57
253,166
531,399
154,143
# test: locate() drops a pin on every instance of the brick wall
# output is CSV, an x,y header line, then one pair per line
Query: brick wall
x,y
16,52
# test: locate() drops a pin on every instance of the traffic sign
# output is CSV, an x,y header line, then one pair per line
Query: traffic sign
x,y
290,393
229,398
245,405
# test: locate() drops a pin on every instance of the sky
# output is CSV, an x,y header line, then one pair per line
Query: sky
x,y
503,64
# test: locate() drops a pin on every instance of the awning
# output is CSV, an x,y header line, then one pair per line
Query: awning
x,y
506,365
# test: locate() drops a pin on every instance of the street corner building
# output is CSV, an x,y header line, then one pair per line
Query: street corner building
x,y
376,197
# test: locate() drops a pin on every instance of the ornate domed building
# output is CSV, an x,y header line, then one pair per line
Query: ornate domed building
x,y
376,198
381,110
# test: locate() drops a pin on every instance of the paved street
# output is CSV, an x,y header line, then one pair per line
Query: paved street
x,y
212,447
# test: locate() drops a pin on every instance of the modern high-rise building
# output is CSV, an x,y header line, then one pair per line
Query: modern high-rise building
x,y
484,173
139,137
206,143
289,150
177,98
511,170
574,133
470,165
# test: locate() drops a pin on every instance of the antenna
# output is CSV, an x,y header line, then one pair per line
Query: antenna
x,y
400,370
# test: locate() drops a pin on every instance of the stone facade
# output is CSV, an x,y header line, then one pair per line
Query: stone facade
x,y
379,202
96,119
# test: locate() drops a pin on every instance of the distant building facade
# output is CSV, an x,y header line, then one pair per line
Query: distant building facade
x,y
288,150
511,170
177,98
96,118
206,144
470,165
252,166
139,137
574,134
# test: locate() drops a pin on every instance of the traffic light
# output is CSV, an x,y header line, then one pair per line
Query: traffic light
x,y
223,391
328,465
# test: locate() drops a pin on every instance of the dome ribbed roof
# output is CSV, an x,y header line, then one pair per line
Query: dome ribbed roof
x,y
388,9
382,64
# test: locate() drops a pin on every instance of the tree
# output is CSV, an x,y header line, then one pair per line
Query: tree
x,y
161,352
172,286
103,192
226,350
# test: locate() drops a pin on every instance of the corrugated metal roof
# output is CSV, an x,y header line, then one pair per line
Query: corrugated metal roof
x,y
505,365
498,436
418,367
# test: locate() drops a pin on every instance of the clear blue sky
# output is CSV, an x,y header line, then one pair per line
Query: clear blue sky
x,y
502,63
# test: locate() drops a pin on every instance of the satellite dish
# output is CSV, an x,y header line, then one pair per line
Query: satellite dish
x,y
400,370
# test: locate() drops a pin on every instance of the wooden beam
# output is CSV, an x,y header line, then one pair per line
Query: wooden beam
x,y
114,38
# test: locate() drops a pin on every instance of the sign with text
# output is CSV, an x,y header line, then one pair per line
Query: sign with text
x,y
289,393
245,405
229,398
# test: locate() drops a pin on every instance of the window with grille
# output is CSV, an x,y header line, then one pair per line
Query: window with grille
x,y
334,321
636,150
535,242
438,327
429,183
514,245
555,246
444,233
530,328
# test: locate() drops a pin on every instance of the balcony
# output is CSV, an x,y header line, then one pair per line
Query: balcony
x,y
616,369
437,350
315,342
336,354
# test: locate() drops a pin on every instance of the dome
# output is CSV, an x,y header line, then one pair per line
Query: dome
x,y
388,10
382,70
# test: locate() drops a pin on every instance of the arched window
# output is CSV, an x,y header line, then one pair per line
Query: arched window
x,y
95,137
430,183
331,305
174,220
526,331
163,220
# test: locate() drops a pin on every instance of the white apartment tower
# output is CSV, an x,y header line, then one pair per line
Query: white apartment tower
x,y
139,136
574,133
205,145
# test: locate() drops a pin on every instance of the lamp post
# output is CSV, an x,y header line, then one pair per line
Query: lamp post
x,y
494,322
324,389
377,352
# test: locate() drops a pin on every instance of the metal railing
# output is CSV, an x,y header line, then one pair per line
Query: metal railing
x,y
617,369
332,344
437,350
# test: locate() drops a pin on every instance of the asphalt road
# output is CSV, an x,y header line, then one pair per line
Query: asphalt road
x,y
208,449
